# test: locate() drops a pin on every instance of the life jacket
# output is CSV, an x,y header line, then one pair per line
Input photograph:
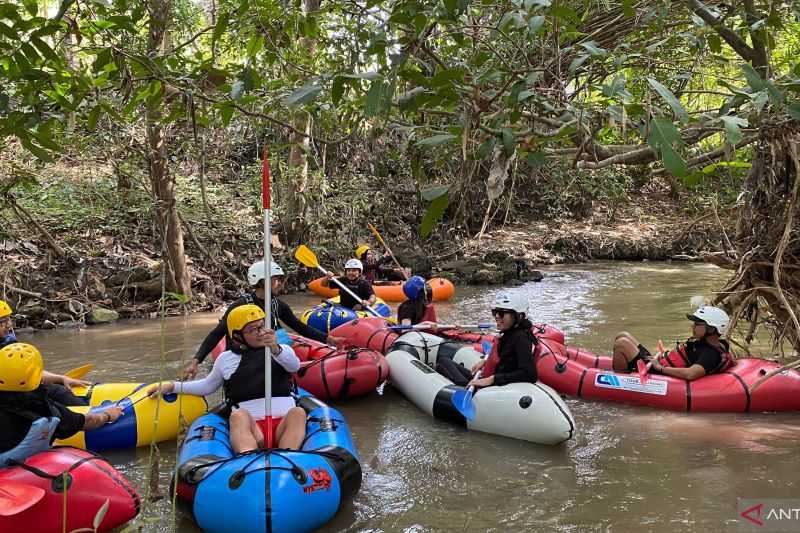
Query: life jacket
x,y
493,360
8,339
247,382
429,315
681,356
37,440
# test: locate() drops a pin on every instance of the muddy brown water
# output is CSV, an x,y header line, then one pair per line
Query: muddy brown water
x,y
627,469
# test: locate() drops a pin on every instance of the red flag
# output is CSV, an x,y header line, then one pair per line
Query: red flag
x,y
265,179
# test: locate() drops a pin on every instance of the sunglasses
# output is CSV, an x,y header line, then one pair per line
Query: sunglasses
x,y
501,312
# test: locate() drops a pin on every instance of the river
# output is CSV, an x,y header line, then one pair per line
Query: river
x,y
627,469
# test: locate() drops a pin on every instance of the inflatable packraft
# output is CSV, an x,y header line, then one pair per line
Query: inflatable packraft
x,y
64,489
391,291
137,425
527,411
331,373
330,315
276,490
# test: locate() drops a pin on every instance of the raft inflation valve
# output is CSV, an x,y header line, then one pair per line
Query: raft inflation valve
x,y
762,372
61,482
525,402
236,480
561,368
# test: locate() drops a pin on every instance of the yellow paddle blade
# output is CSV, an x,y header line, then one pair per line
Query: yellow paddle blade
x,y
78,373
306,256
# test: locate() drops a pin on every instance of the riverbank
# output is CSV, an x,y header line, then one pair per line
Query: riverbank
x,y
77,253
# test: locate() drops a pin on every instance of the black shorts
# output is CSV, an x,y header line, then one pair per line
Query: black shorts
x,y
643,355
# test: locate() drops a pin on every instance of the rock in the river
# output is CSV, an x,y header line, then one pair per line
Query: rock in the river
x,y
101,315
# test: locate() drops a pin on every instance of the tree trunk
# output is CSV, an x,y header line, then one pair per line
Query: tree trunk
x,y
296,205
167,220
767,248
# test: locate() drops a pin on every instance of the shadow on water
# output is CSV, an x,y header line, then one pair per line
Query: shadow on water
x,y
627,469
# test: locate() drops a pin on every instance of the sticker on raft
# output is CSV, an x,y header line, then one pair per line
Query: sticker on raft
x,y
631,383
320,480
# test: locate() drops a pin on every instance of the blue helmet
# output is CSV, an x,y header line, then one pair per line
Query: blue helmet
x,y
414,287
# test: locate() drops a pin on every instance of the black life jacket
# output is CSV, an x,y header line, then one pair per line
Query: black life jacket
x,y
247,382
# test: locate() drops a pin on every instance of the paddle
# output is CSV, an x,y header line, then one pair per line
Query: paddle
x,y
443,326
645,368
79,372
462,399
307,258
396,262
16,497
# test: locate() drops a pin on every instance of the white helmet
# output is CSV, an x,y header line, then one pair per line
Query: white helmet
x,y
256,272
354,263
515,302
713,316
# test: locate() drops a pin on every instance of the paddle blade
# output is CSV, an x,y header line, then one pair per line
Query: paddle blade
x,y
642,367
462,401
305,256
661,349
78,373
16,497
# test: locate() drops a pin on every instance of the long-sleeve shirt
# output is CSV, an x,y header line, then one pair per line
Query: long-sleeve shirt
x,y
224,367
516,358
281,311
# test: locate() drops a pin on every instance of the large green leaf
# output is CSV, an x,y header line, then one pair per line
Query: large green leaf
x,y
219,28
303,95
670,98
754,79
436,140
432,193
509,141
433,214
375,98
732,132
794,110
673,162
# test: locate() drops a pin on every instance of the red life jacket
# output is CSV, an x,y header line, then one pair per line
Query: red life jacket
x,y
493,359
679,358
429,315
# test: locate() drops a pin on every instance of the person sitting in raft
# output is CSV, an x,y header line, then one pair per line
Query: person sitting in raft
x,y
280,312
31,419
58,386
514,362
240,371
702,354
354,281
418,309
379,268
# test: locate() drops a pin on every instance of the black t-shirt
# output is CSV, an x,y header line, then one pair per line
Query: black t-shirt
x,y
19,409
703,354
516,358
409,310
361,287
281,312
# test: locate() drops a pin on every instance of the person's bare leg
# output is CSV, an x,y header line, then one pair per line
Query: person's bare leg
x,y
626,348
245,435
292,429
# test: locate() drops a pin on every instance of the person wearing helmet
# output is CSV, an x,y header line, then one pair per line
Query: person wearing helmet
x,y
59,386
511,358
356,282
281,313
379,268
418,309
240,371
704,353
31,419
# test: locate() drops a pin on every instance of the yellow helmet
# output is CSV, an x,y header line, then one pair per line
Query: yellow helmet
x,y
5,309
361,250
240,316
21,367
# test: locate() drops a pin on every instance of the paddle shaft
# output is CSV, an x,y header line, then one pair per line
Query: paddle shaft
x,y
380,239
348,291
265,197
